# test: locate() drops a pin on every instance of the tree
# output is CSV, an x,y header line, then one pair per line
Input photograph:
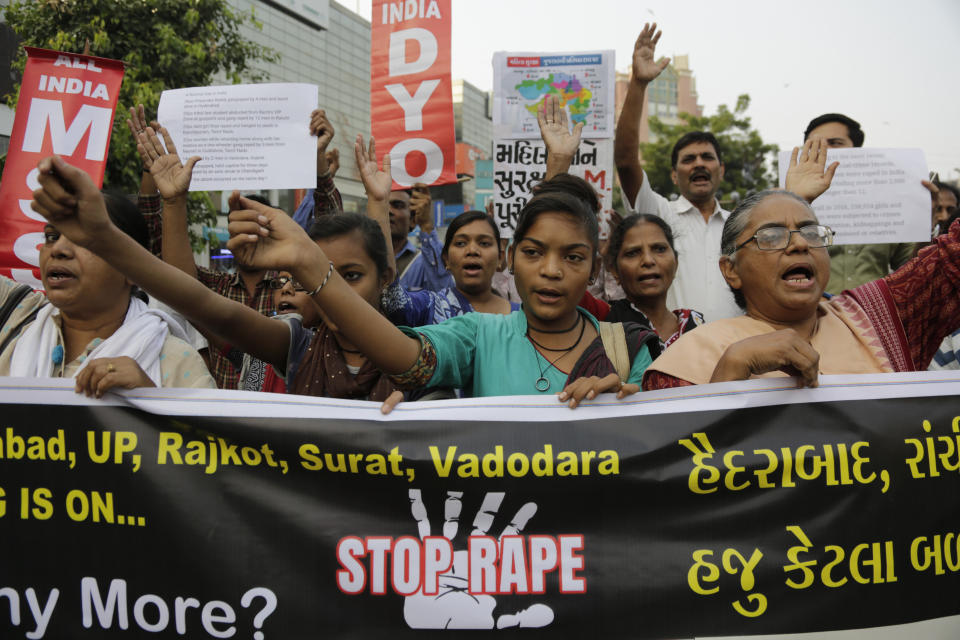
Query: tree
x,y
750,163
164,45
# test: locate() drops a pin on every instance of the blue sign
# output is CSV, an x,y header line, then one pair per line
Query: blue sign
x,y
484,177
480,199
452,211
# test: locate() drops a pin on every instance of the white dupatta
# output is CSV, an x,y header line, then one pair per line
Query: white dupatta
x,y
140,337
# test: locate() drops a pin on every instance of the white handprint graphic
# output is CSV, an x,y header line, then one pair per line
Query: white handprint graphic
x,y
453,606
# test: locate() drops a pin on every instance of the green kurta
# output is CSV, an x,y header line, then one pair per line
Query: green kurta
x,y
488,354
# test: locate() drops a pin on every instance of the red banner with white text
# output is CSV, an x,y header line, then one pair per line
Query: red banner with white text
x,y
411,103
66,108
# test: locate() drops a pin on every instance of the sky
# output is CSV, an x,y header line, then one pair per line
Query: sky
x,y
890,65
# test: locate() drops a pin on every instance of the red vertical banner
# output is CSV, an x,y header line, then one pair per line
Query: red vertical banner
x,y
411,93
66,108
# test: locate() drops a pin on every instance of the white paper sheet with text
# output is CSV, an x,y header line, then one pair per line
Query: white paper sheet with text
x,y
249,136
876,196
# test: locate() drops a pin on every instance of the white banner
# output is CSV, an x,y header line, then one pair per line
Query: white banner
x,y
760,392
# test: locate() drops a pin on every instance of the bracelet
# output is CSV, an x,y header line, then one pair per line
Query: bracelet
x,y
322,284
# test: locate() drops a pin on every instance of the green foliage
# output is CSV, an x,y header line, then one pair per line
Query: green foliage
x,y
617,198
164,45
750,163
202,210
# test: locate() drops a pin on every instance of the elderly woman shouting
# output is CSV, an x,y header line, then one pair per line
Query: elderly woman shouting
x,y
775,260
90,325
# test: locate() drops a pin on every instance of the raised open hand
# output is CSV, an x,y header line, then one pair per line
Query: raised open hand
x,y
555,128
170,175
376,182
806,176
137,122
645,68
453,606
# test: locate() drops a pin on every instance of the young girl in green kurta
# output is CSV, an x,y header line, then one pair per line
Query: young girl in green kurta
x,y
550,346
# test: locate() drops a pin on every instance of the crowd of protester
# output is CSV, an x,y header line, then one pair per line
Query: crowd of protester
x,y
342,305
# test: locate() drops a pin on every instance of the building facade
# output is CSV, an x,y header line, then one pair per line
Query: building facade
x,y
473,122
473,115
337,60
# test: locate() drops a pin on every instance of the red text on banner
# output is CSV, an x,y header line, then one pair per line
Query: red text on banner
x,y
411,104
66,108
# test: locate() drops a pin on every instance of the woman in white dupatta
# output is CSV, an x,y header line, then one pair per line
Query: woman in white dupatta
x,y
91,325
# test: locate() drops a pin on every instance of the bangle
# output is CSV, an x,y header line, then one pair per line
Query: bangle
x,y
322,284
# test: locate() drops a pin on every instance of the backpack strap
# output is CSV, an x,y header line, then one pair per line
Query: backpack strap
x,y
615,344
622,342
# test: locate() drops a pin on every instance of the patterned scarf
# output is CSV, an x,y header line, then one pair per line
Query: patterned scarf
x,y
324,373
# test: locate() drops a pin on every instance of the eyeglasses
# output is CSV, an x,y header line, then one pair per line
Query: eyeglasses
x,y
279,283
816,236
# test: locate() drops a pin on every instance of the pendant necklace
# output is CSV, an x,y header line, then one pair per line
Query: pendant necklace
x,y
543,384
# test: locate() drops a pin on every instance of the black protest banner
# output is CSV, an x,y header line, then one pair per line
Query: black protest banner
x,y
719,510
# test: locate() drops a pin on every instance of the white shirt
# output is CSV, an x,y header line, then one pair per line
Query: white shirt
x,y
699,285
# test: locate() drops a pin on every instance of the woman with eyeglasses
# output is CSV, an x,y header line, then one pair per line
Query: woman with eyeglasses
x,y
775,260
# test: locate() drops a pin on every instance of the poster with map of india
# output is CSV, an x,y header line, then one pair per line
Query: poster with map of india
x,y
584,81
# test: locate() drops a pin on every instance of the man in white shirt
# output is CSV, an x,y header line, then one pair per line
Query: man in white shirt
x,y
696,217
